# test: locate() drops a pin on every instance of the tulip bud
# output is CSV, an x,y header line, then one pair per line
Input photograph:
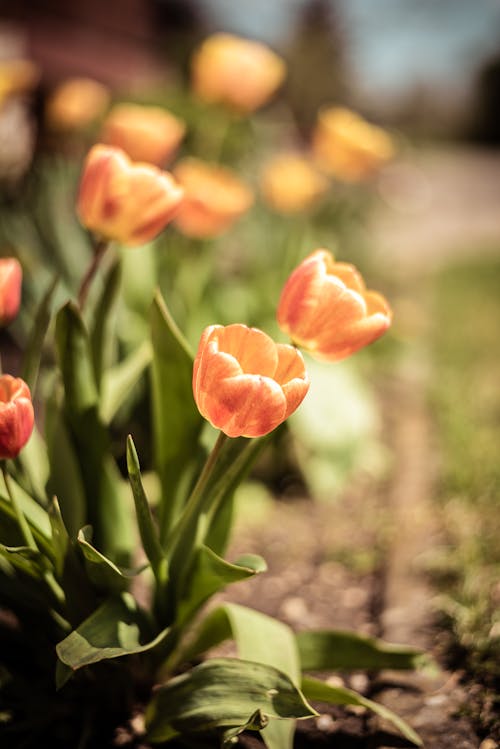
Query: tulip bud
x,y
16,416
240,73
125,201
149,134
348,147
11,276
326,309
244,383
214,198
76,103
291,184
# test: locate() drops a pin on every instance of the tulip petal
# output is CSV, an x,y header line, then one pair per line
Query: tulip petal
x,y
254,349
247,406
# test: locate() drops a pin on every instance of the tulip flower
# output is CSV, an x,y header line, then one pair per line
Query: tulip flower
x,y
291,184
17,77
214,198
240,73
326,309
149,134
11,276
16,416
76,103
244,383
347,147
125,201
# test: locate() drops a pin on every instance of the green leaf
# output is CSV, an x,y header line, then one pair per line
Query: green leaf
x,y
147,528
106,509
117,628
222,694
325,650
26,560
75,361
34,461
176,420
210,574
119,380
258,638
65,479
60,538
102,571
104,317
34,347
318,690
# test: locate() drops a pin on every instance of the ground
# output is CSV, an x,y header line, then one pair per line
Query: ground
x,y
356,563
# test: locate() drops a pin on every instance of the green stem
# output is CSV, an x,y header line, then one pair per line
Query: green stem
x,y
99,251
194,504
21,520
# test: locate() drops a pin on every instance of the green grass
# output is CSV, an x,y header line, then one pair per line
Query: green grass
x,y
466,404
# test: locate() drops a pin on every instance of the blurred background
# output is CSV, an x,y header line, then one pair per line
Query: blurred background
x,y
410,428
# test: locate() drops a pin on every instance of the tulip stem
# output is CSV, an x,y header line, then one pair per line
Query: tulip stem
x,y
21,520
99,251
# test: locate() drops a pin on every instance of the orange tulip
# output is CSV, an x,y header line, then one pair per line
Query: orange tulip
x,y
240,73
149,134
16,416
11,277
76,103
325,308
17,77
244,383
214,198
348,147
291,184
126,201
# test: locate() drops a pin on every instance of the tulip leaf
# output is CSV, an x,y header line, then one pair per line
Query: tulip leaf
x,y
210,574
34,346
119,380
34,461
60,539
117,628
104,315
147,529
176,420
65,480
329,650
101,571
25,559
35,515
106,508
317,690
258,638
221,695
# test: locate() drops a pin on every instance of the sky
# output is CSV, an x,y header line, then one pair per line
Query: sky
x,y
393,45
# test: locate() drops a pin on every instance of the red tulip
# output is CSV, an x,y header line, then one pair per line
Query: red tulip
x,y
11,276
244,383
123,200
325,308
16,416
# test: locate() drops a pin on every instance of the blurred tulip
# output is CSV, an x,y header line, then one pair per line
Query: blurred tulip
x,y
214,198
348,147
11,277
16,416
125,201
240,73
149,134
325,308
16,77
76,104
244,383
291,184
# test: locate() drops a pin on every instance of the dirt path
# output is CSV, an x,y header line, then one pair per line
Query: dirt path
x,y
438,204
